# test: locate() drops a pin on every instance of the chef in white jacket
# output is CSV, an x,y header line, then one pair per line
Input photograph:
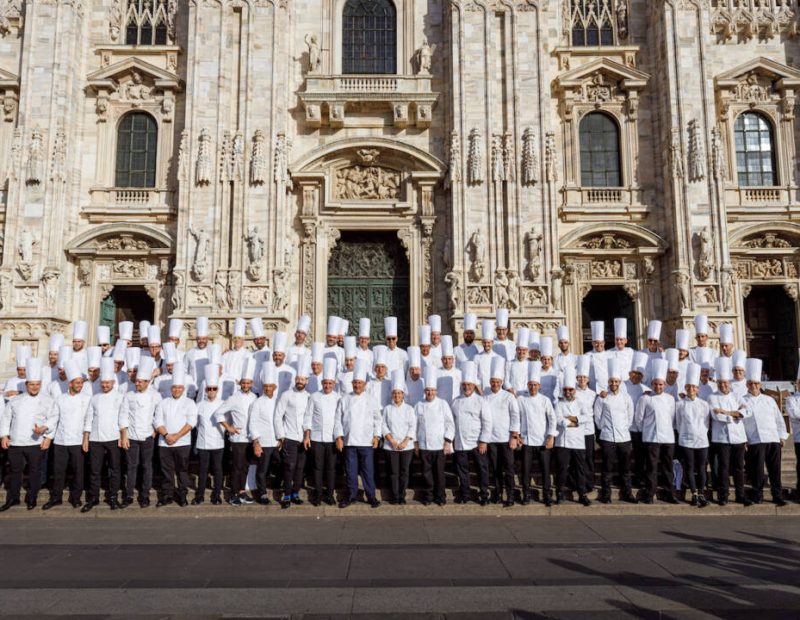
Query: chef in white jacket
x,y
65,429
195,358
101,437
210,443
503,346
286,373
424,338
635,387
467,350
399,431
487,354
434,440
473,432
550,376
449,385
621,352
504,411
364,352
570,444
395,356
693,422
332,349
234,359
415,386
766,435
537,433
175,418
379,386
516,379
344,380
357,427
586,396
613,416
728,435
793,409
564,359
655,415
435,322
598,370
299,348
260,352
318,427
22,426
261,429
289,416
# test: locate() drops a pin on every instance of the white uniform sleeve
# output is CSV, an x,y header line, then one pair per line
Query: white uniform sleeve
x,y
514,415
158,419
5,419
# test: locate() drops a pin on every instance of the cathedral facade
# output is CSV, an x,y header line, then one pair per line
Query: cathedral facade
x,y
569,160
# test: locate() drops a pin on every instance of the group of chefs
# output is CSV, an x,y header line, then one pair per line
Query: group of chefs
x,y
685,418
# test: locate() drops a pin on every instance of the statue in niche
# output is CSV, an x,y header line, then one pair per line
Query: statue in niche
x,y
425,57
200,259
705,261
533,252
476,251
312,42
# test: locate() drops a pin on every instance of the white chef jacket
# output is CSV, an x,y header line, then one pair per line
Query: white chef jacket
x,y
415,391
655,416
194,361
380,390
173,414
564,360
358,420
466,352
104,416
504,410
598,371
314,383
365,354
765,425
344,382
399,422
571,437
226,388
434,424
693,421
694,355
635,391
613,415
233,362
294,352
336,352
210,435
430,360
66,419
793,409
396,358
289,414
705,390
473,422
587,397
319,416
549,384
537,419
484,362
261,356
21,414
236,410
82,358
506,349
448,385
739,388
261,421
140,408
724,428
516,376
286,376
624,357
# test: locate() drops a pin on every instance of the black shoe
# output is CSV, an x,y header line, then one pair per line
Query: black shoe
x,y
671,499
297,501
648,500
702,501
76,503
328,499
559,497
285,502
216,501
425,502
53,502
114,504
144,503
344,503
374,503
163,502
604,498
584,500
723,502
182,502
508,503
458,500
89,505
31,504
495,498
758,499
525,500
127,502
263,500
694,501
548,501
402,501
779,501
8,505
198,500
630,498
483,501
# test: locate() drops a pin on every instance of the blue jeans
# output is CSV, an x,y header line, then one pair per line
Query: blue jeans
x,y
359,460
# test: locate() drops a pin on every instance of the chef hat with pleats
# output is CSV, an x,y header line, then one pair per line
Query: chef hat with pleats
x,y
103,334
120,348
257,327
639,363
522,338
132,357
248,369
170,352
303,324
424,334
178,374
534,341
598,331
582,366
501,315
659,369
146,367
435,321
726,333
344,327
546,346
562,333
469,372
398,380
23,352
654,330
175,328
701,324
360,370
73,370
414,357
430,377
64,353
390,326
364,326
487,329
239,327
56,341
379,355
79,330
94,355
317,351
447,346
620,327
269,373
333,326
682,339
33,369
201,327
671,357
125,330
304,365
107,369
614,371
470,322
211,375
153,335
692,376
535,372
279,341
214,353
739,358
569,380
723,369
330,368
349,347
498,368
753,369
144,327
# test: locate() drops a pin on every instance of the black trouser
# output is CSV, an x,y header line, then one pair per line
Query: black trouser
x,y
324,466
98,452
694,464
210,460
501,457
566,457
659,457
293,454
140,452
589,457
67,458
730,458
433,474
713,463
239,466
18,457
528,454
263,464
769,454
639,459
797,466
174,462
462,469
617,459
399,468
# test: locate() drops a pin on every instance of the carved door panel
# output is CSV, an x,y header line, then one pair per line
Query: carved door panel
x,y
771,335
108,314
606,304
368,277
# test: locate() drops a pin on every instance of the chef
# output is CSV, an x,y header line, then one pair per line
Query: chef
x,y
210,444
484,359
449,385
234,359
503,346
318,422
516,379
399,429
195,358
434,439
395,356
261,428
537,434
289,416
363,352
693,422
570,444
504,411
299,346
467,350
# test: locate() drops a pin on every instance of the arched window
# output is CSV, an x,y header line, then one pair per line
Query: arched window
x,y
369,37
147,22
137,137
592,22
600,161
755,150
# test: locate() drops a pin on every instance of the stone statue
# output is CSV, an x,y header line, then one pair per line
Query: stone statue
x,y
682,280
454,161
530,165
513,289
258,161
282,146
556,294
475,157
312,42
425,57
498,169
204,161
167,108
533,252
25,246
476,250
183,155
50,285
220,290
280,290
200,258
232,291
237,157
697,154
705,261
177,292
550,157
136,89
58,170
5,290
34,170
255,252
501,288
726,287
455,290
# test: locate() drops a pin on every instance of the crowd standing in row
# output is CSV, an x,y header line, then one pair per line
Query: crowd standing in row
x,y
481,401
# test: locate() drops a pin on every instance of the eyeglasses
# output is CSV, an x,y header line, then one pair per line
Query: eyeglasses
x,y
211,389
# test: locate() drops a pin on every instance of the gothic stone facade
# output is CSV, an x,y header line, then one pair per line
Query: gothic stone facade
x,y
470,152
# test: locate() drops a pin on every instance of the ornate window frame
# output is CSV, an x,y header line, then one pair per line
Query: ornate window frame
x,y
607,86
617,12
769,88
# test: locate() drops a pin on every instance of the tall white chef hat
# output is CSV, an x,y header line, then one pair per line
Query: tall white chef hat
x,y
390,326
330,367
344,327
73,370
598,330
430,377
498,368
175,328
723,369
257,327
569,380
317,351
523,337
379,354
469,372
125,330
349,346
753,369
178,374
658,369
279,340
614,369
620,327
107,369
739,358
146,367
502,318
704,358
120,348
132,357
56,341
470,322
153,335
64,353
546,346
701,324
211,375
582,366
103,334
726,333
671,357
214,353
414,357
535,372
239,327
692,376
364,326
202,327
79,330
304,365
654,330
23,352
639,363
144,326
33,369
424,334
303,324
487,329
562,333
269,373
360,370
398,380
682,339
534,340
170,352
333,326
94,355
435,321
248,369
447,346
